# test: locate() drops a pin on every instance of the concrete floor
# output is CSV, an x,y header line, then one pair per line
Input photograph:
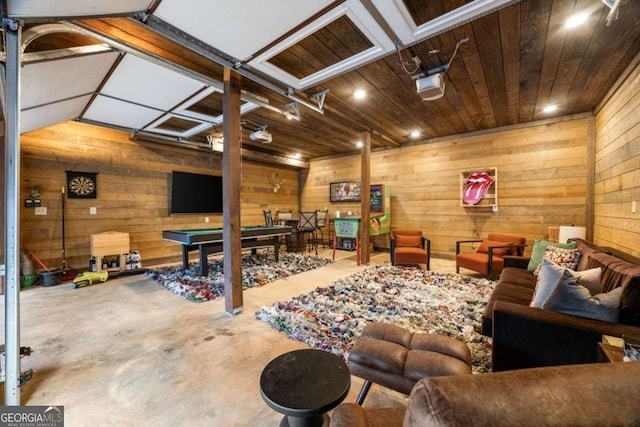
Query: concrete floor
x,y
128,352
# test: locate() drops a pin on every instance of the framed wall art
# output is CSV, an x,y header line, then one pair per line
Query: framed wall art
x,y
344,191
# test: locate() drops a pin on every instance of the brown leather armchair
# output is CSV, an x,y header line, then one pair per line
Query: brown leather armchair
x,y
488,257
410,247
595,394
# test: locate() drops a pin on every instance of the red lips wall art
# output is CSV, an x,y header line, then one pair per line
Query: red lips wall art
x,y
475,187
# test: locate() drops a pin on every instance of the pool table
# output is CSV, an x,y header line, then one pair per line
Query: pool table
x,y
209,241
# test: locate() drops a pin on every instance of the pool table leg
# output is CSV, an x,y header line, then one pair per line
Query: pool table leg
x,y
276,245
204,267
185,257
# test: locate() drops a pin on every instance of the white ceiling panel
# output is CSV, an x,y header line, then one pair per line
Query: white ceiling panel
x,y
247,25
45,82
52,8
146,83
357,14
120,113
51,114
396,14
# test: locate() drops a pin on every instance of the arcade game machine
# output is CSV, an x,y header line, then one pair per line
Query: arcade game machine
x,y
379,219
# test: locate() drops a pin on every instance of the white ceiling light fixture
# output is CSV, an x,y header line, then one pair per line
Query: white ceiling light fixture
x,y
576,20
359,94
415,134
551,108
359,144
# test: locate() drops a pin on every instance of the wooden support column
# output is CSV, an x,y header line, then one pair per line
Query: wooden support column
x,y
231,172
591,176
365,191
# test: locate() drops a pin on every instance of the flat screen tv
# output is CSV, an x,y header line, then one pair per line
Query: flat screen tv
x,y
194,193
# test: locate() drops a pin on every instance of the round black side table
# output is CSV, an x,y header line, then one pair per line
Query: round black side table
x,y
305,384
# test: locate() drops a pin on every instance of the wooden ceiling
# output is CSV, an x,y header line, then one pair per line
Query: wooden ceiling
x,y
518,59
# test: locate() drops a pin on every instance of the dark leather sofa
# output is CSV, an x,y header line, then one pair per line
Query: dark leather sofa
x,y
603,394
525,337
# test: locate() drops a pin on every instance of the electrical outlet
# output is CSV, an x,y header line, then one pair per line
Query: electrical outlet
x,y
206,219
634,207
42,210
92,210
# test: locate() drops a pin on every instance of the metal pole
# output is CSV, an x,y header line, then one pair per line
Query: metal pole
x,y
13,32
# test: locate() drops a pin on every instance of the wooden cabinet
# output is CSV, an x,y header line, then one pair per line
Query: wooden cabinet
x,y
109,248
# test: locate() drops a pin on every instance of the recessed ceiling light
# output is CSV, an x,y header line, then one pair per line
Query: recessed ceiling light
x,y
359,144
415,134
359,94
297,155
577,19
550,108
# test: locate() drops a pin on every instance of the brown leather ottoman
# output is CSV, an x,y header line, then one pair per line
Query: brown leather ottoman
x,y
397,358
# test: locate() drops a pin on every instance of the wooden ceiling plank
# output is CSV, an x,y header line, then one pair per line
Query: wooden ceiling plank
x,y
555,55
304,59
607,56
483,117
345,38
459,88
492,62
534,18
509,18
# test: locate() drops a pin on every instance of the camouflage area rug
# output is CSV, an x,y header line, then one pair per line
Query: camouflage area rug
x,y
331,318
257,270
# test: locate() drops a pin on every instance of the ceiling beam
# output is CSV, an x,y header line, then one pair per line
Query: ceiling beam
x,y
249,155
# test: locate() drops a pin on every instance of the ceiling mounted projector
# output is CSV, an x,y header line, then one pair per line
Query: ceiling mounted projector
x,y
430,87
262,136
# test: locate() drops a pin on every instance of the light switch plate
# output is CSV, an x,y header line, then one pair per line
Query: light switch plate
x,y
92,210
42,210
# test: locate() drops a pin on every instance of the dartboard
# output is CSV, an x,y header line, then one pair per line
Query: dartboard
x,y
82,185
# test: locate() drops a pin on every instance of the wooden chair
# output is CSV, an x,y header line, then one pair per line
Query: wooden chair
x,y
410,247
308,225
488,257
283,215
322,222
268,218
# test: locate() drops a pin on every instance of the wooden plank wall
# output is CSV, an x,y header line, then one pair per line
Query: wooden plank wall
x,y
617,165
541,182
133,191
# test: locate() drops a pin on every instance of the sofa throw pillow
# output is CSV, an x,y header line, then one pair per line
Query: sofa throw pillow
x,y
569,297
411,241
484,247
550,275
567,258
539,246
590,279
548,278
